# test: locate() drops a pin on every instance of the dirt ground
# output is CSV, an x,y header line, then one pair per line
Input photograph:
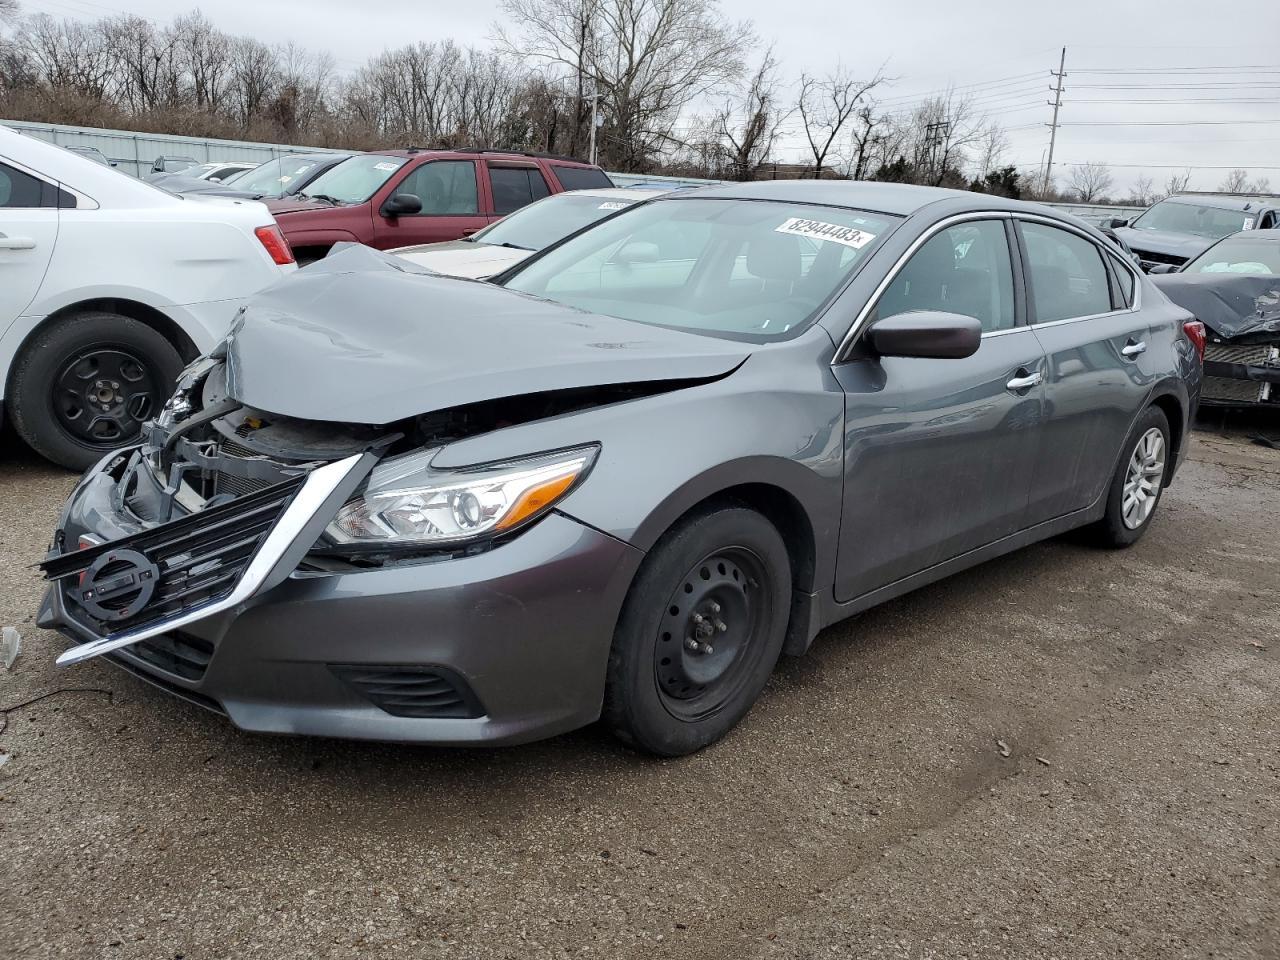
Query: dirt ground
x,y
864,808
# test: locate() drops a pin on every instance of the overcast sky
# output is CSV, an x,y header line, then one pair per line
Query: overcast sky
x,y
1001,52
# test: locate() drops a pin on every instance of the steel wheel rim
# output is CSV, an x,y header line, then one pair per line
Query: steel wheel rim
x,y
692,681
102,395
1143,478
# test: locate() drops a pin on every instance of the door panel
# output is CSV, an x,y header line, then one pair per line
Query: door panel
x,y
451,205
28,232
939,456
1100,365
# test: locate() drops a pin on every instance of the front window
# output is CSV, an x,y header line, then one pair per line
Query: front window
x,y
272,179
354,180
1180,216
542,224
746,269
1238,255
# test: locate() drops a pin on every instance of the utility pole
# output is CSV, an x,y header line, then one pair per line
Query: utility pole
x,y
1056,103
591,150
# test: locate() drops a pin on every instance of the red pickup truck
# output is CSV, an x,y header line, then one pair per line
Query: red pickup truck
x,y
395,198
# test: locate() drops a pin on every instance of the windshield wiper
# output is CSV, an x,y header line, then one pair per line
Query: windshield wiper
x,y
322,196
509,246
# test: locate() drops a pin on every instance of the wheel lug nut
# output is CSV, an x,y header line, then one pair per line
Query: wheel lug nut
x,y
697,618
715,608
707,648
692,644
721,626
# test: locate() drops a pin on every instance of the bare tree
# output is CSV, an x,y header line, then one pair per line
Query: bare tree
x,y
1237,181
1178,182
992,145
1090,181
750,122
1144,191
940,131
647,59
9,10
826,104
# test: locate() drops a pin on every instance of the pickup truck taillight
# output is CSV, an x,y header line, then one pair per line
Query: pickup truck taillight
x,y
1196,333
277,246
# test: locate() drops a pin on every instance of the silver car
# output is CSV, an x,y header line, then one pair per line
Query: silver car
x,y
624,478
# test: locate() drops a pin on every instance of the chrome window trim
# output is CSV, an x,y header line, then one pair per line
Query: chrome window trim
x,y
860,321
1135,307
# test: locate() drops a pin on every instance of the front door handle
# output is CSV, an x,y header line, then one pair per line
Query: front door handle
x,y
1018,384
1132,349
16,243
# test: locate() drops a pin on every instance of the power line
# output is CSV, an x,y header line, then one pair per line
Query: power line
x,y
1159,123
1186,100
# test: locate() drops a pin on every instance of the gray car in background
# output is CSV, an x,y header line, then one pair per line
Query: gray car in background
x,y
624,478
1181,227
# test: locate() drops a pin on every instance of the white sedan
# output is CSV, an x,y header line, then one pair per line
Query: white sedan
x,y
108,286
523,233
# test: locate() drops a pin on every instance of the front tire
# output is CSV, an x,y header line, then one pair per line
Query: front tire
x,y
1138,482
85,384
700,632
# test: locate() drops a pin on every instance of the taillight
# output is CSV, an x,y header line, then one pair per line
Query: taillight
x,y
1196,333
277,246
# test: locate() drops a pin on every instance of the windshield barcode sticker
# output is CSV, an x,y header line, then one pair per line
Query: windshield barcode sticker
x,y
817,230
612,205
386,166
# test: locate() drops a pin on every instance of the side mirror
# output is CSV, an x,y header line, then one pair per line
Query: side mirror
x,y
401,204
1163,268
637,252
926,334
1117,222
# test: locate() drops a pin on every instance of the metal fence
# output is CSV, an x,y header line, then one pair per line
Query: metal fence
x,y
135,152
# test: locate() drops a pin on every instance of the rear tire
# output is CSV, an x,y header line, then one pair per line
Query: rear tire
x,y
85,384
1138,482
700,632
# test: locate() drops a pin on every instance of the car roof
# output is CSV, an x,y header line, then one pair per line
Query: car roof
x,y
1224,201
434,153
901,199
1255,235
614,193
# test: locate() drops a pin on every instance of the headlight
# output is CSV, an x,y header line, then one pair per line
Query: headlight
x,y
407,503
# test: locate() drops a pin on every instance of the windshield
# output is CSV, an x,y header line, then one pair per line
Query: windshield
x,y
1238,255
1178,216
543,223
272,178
355,179
743,269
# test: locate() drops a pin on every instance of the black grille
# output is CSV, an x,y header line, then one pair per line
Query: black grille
x,y
197,558
177,653
1150,256
411,691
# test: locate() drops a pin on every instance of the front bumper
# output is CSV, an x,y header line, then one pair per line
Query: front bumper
x,y
524,628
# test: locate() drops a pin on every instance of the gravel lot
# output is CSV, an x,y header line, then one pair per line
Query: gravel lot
x,y
863,809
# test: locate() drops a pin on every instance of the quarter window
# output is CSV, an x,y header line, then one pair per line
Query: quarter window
x,y
18,189
445,187
964,269
581,178
1067,276
516,187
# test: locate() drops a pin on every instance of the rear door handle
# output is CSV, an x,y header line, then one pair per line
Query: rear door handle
x,y
1018,384
16,243
1132,349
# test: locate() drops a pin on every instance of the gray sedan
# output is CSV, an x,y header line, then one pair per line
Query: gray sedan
x,y
627,477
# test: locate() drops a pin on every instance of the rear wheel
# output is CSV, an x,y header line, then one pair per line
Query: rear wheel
x,y
86,384
699,633
1138,482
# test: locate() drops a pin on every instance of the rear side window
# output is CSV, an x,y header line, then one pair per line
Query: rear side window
x,y
581,178
516,187
18,189
1067,276
445,187
1124,284
964,269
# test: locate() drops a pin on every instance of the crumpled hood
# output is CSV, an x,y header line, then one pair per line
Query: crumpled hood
x,y
464,258
366,337
1229,304
1161,241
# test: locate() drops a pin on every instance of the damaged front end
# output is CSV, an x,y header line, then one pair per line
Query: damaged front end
x,y
1242,314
